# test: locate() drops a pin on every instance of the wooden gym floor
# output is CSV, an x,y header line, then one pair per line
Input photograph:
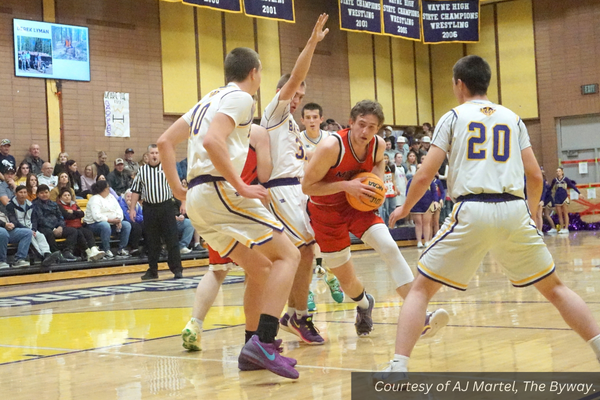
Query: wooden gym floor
x,y
116,338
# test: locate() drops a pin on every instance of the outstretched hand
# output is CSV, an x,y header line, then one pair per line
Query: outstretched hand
x,y
397,214
318,32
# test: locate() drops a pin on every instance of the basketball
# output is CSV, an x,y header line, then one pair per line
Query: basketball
x,y
368,202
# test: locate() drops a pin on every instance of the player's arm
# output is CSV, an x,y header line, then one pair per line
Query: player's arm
x,y
177,133
421,181
302,66
215,144
535,180
260,140
325,157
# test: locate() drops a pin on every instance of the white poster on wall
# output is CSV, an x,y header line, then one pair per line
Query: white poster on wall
x,y
116,114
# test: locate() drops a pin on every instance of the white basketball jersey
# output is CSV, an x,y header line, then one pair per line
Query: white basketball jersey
x,y
309,143
233,102
287,152
484,143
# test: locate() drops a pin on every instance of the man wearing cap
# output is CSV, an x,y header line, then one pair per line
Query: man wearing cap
x,y
402,146
131,167
6,160
425,144
118,179
415,146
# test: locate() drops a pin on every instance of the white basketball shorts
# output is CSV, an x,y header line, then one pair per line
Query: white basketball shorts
x,y
288,205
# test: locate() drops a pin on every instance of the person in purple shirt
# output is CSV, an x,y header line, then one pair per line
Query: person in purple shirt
x,y
561,198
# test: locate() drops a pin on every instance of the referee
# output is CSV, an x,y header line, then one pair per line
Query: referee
x,y
159,214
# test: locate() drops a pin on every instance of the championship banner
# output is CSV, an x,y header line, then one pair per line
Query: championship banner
x,y
360,15
401,18
219,5
450,21
280,10
116,114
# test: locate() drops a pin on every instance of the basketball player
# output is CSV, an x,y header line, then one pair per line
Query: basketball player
x,y
489,152
287,202
312,118
226,211
327,180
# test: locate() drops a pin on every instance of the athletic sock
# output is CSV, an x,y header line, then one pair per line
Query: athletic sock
x,y
301,313
329,275
401,362
199,322
362,301
290,311
268,326
249,335
595,344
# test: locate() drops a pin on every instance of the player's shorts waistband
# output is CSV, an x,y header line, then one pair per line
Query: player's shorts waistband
x,y
204,179
489,197
281,182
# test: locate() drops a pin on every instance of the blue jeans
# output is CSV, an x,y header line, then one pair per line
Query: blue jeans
x,y
389,205
22,236
186,230
104,230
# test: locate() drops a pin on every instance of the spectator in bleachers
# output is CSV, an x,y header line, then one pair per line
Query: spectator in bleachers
x,y
131,167
144,160
34,160
333,126
20,213
400,179
72,215
52,225
22,172
182,169
7,186
427,129
75,180
137,225
184,228
391,190
7,161
425,144
63,182
61,163
31,185
389,149
89,177
46,177
118,179
111,190
11,234
101,166
411,165
402,146
415,147
104,216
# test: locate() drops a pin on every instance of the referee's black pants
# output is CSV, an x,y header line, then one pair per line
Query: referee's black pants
x,y
160,222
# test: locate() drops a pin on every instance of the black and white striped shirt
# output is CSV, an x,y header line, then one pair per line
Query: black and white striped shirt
x,y
151,183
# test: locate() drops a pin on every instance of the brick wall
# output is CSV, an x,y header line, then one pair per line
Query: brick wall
x,y
22,100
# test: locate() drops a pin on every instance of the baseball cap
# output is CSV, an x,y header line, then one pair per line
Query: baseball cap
x,y
10,171
119,161
129,150
426,139
401,139
388,128
5,142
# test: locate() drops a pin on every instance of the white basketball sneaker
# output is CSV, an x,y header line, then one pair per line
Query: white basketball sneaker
x,y
434,322
191,336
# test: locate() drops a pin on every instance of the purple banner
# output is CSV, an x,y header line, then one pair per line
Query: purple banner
x,y
360,15
402,18
450,21
220,5
282,10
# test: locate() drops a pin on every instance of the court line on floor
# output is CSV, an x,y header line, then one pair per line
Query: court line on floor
x,y
464,326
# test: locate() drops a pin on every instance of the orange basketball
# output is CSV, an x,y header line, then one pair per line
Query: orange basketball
x,y
370,202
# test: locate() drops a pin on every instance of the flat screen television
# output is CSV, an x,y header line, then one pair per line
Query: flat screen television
x,y
53,51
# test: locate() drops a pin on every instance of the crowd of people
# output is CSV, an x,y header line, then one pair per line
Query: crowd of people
x,y
38,206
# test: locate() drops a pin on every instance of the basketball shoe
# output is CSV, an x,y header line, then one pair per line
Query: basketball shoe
x,y
305,329
284,323
266,355
320,271
334,287
312,307
191,336
245,365
364,322
434,322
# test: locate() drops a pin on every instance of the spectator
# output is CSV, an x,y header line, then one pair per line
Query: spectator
x,y
182,169
34,160
104,216
61,163
427,129
20,213
400,179
389,150
131,167
391,190
72,215
388,132
137,225
415,147
63,182
184,228
333,126
7,161
425,144
46,177
75,180
11,234
144,160
22,172
31,185
409,132
52,225
89,177
111,190
7,187
118,179
411,165
402,146
101,166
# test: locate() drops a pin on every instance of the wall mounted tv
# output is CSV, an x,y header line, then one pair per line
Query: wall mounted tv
x,y
53,51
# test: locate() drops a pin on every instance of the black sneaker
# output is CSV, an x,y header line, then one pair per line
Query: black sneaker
x,y
178,275
68,256
51,258
150,275
364,322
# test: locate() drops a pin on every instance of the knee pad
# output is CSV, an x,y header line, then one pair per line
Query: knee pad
x,y
337,259
378,237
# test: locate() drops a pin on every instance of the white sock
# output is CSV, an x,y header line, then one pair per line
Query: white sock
x,y
364,302
290,311
401,362
595,344
301,313
198,321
